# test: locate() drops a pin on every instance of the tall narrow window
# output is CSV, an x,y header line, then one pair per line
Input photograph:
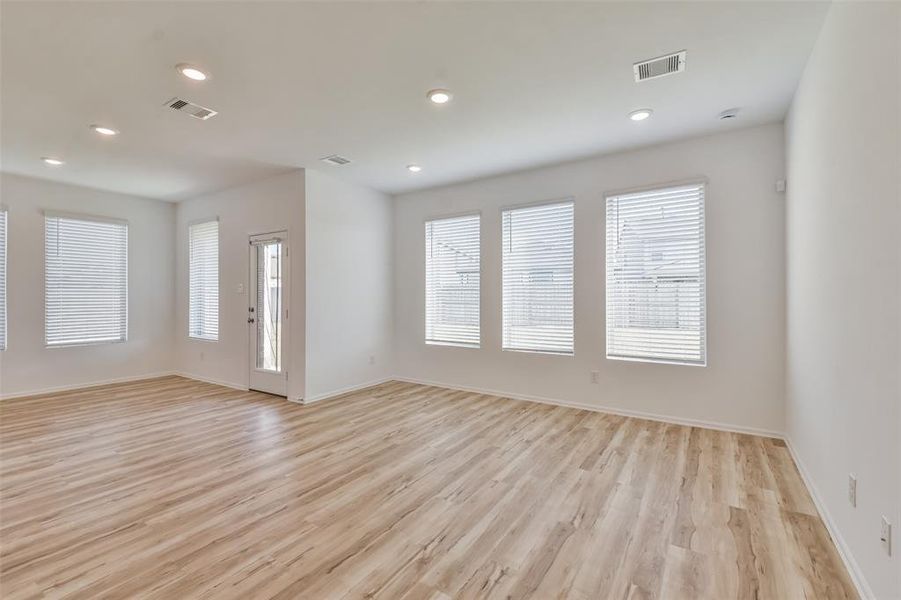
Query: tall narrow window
x,y
452,281
269,307
655,275
203,284
538,278
86,280
2,278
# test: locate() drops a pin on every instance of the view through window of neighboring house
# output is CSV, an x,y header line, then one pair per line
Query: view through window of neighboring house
x,y
656,305
452,281
538,278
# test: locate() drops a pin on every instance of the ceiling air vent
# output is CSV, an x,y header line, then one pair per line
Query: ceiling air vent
x,y
660,66
191,109
335,159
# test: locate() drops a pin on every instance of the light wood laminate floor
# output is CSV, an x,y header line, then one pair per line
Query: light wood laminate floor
x,y
172,488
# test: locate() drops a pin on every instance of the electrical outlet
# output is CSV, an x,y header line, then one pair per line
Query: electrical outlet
x,y
371,359
886,536
201,356
852,490
595,376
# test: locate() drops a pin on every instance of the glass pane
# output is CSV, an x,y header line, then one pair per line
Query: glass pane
x,y
269,306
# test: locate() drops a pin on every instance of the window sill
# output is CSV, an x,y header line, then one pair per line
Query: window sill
x,y
660,361
82,344
545,352
453,345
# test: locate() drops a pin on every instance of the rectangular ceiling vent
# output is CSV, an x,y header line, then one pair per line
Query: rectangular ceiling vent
x,y
335,159
191,109
659,67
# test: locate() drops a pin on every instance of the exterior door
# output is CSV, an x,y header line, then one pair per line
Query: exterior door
x,y
268,313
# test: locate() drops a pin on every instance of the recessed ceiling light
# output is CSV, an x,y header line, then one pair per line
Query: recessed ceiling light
x,y
53,161
414,168
640,114
191,72
104,130
440,96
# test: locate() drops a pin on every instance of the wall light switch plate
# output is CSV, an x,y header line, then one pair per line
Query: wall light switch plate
x,y
852,490
240,288
886,536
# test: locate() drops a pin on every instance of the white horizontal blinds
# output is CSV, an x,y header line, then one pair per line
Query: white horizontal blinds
x,y
2,279
655,275
203,285
452,281
86,280
538,278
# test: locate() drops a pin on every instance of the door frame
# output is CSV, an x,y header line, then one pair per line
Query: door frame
x,y
252,240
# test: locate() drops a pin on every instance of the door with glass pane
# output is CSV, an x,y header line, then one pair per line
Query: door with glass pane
x,y
268,313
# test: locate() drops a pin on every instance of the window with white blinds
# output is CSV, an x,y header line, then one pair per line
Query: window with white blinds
x,y
656,275
86,280
2,278
452,281
203,285
538,278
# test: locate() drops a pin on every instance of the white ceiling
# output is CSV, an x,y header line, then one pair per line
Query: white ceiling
x,y
533,83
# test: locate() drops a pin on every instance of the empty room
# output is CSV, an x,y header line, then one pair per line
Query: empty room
x,y
450,300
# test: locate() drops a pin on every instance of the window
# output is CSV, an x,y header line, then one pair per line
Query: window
x,y
452,281
2,278
203,286
538,278
86,280
655,275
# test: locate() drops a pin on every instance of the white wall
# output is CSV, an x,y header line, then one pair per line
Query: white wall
x,y
349,285
844,308
274,204
27,366
742,386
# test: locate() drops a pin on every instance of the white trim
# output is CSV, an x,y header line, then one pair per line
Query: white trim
x,y
857,576
76,216
82,386
455,215
453,344
342,391
605,409
200,220
537,203
699,180
235,386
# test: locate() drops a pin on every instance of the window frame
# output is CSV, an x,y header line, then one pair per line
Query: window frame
x,y
537,204
425,313
56,214
702,182
4,264
190,224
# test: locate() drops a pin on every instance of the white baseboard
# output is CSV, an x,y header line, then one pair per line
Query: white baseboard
x,y
860,582
228,384
604,409
342,391
86,385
